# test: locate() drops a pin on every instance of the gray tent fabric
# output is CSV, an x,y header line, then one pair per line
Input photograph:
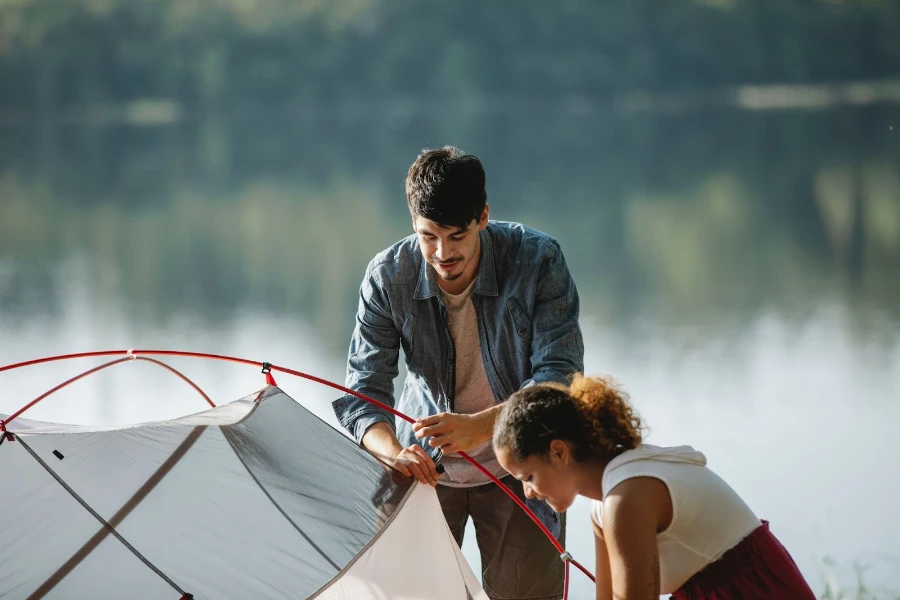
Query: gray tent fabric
x,y
257,498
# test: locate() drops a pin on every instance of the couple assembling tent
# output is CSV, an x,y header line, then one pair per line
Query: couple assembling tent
x,y
486,313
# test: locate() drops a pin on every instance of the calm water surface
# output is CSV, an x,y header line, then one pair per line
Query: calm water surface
x,y
740,275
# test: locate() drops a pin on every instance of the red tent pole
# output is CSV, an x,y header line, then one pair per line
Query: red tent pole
x,y
132,354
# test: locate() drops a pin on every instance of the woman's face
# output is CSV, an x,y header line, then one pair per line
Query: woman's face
x,y
551,478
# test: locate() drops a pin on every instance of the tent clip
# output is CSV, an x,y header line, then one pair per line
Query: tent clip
x,y
565,556
267,371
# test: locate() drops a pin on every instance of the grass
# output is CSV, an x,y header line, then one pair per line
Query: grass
x,y
836,588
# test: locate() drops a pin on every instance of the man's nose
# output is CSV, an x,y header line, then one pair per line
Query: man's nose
x,y
443,250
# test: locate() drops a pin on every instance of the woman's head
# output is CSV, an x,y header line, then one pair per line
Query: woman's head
x,y
546,433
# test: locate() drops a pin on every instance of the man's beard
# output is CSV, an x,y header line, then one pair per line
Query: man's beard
x,y
451,277
448,277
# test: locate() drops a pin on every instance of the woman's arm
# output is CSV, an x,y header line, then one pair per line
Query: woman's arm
x,y
633,513
604,581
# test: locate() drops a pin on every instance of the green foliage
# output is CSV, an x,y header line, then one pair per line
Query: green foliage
x,y
322,52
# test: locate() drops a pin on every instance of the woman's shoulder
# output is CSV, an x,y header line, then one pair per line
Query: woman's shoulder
x,y
645,460
642,499
643,472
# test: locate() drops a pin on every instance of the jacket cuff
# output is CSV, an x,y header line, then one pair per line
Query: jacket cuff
x,y
363,422
356,416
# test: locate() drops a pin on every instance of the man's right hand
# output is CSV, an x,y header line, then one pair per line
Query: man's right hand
x,y
415,462
381,441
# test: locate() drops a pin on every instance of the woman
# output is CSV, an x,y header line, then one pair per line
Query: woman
x,y
664,523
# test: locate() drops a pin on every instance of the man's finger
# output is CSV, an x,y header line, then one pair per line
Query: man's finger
x,y
427,465
417,472
400,465
420,476
420,452
427,475
439,441
422,432
430,473
433,430
419,426
425,421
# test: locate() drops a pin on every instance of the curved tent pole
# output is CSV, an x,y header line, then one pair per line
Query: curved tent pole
x,y
180,375
4,422
134,354
106,365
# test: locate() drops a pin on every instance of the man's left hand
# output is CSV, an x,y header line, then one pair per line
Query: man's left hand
x,y
453,432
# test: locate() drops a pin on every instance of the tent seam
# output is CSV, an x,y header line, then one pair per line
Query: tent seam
x,y
96,515
227,435
368,545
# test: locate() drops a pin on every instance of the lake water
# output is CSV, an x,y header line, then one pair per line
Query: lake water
x,y
739,274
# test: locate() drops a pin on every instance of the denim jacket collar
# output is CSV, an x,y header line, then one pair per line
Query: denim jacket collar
x,y
486,279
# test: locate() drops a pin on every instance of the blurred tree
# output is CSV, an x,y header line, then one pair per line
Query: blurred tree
x,y
319,52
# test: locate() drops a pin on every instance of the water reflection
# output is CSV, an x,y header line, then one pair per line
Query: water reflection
x,y
738,275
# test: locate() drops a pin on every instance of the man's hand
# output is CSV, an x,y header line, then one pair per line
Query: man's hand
x,y
415,462
453,432
381,441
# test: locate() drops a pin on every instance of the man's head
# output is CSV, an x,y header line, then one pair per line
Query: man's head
x,y
446,186
445,191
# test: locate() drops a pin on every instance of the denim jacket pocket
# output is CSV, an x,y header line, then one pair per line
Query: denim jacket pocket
x,y
521,322
407,333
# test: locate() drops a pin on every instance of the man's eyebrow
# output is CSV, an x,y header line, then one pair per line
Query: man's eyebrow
x,y
426,231
459,230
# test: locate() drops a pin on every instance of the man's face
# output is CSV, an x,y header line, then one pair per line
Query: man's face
x,y
452,251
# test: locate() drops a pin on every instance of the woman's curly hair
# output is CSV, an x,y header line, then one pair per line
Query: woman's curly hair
x,y
592,413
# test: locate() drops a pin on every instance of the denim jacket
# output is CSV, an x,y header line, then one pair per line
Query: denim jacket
x,y
527,307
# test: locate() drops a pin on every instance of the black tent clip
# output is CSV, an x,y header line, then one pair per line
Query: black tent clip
x,y
267,371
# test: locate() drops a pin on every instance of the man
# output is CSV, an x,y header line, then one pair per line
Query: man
x,y
481,309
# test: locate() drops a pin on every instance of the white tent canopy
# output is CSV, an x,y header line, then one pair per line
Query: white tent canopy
x,y
257,498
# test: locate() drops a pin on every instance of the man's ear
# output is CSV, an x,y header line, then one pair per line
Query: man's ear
x,y
483,220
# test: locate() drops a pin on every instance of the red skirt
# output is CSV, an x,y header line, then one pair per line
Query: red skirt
x,y
758,567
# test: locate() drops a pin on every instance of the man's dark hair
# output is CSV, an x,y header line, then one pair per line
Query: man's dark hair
x,y
446,186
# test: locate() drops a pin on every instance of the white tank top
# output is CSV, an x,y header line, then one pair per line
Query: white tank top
x,y
708,517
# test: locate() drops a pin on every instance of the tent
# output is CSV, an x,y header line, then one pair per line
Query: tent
x,y
257,498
